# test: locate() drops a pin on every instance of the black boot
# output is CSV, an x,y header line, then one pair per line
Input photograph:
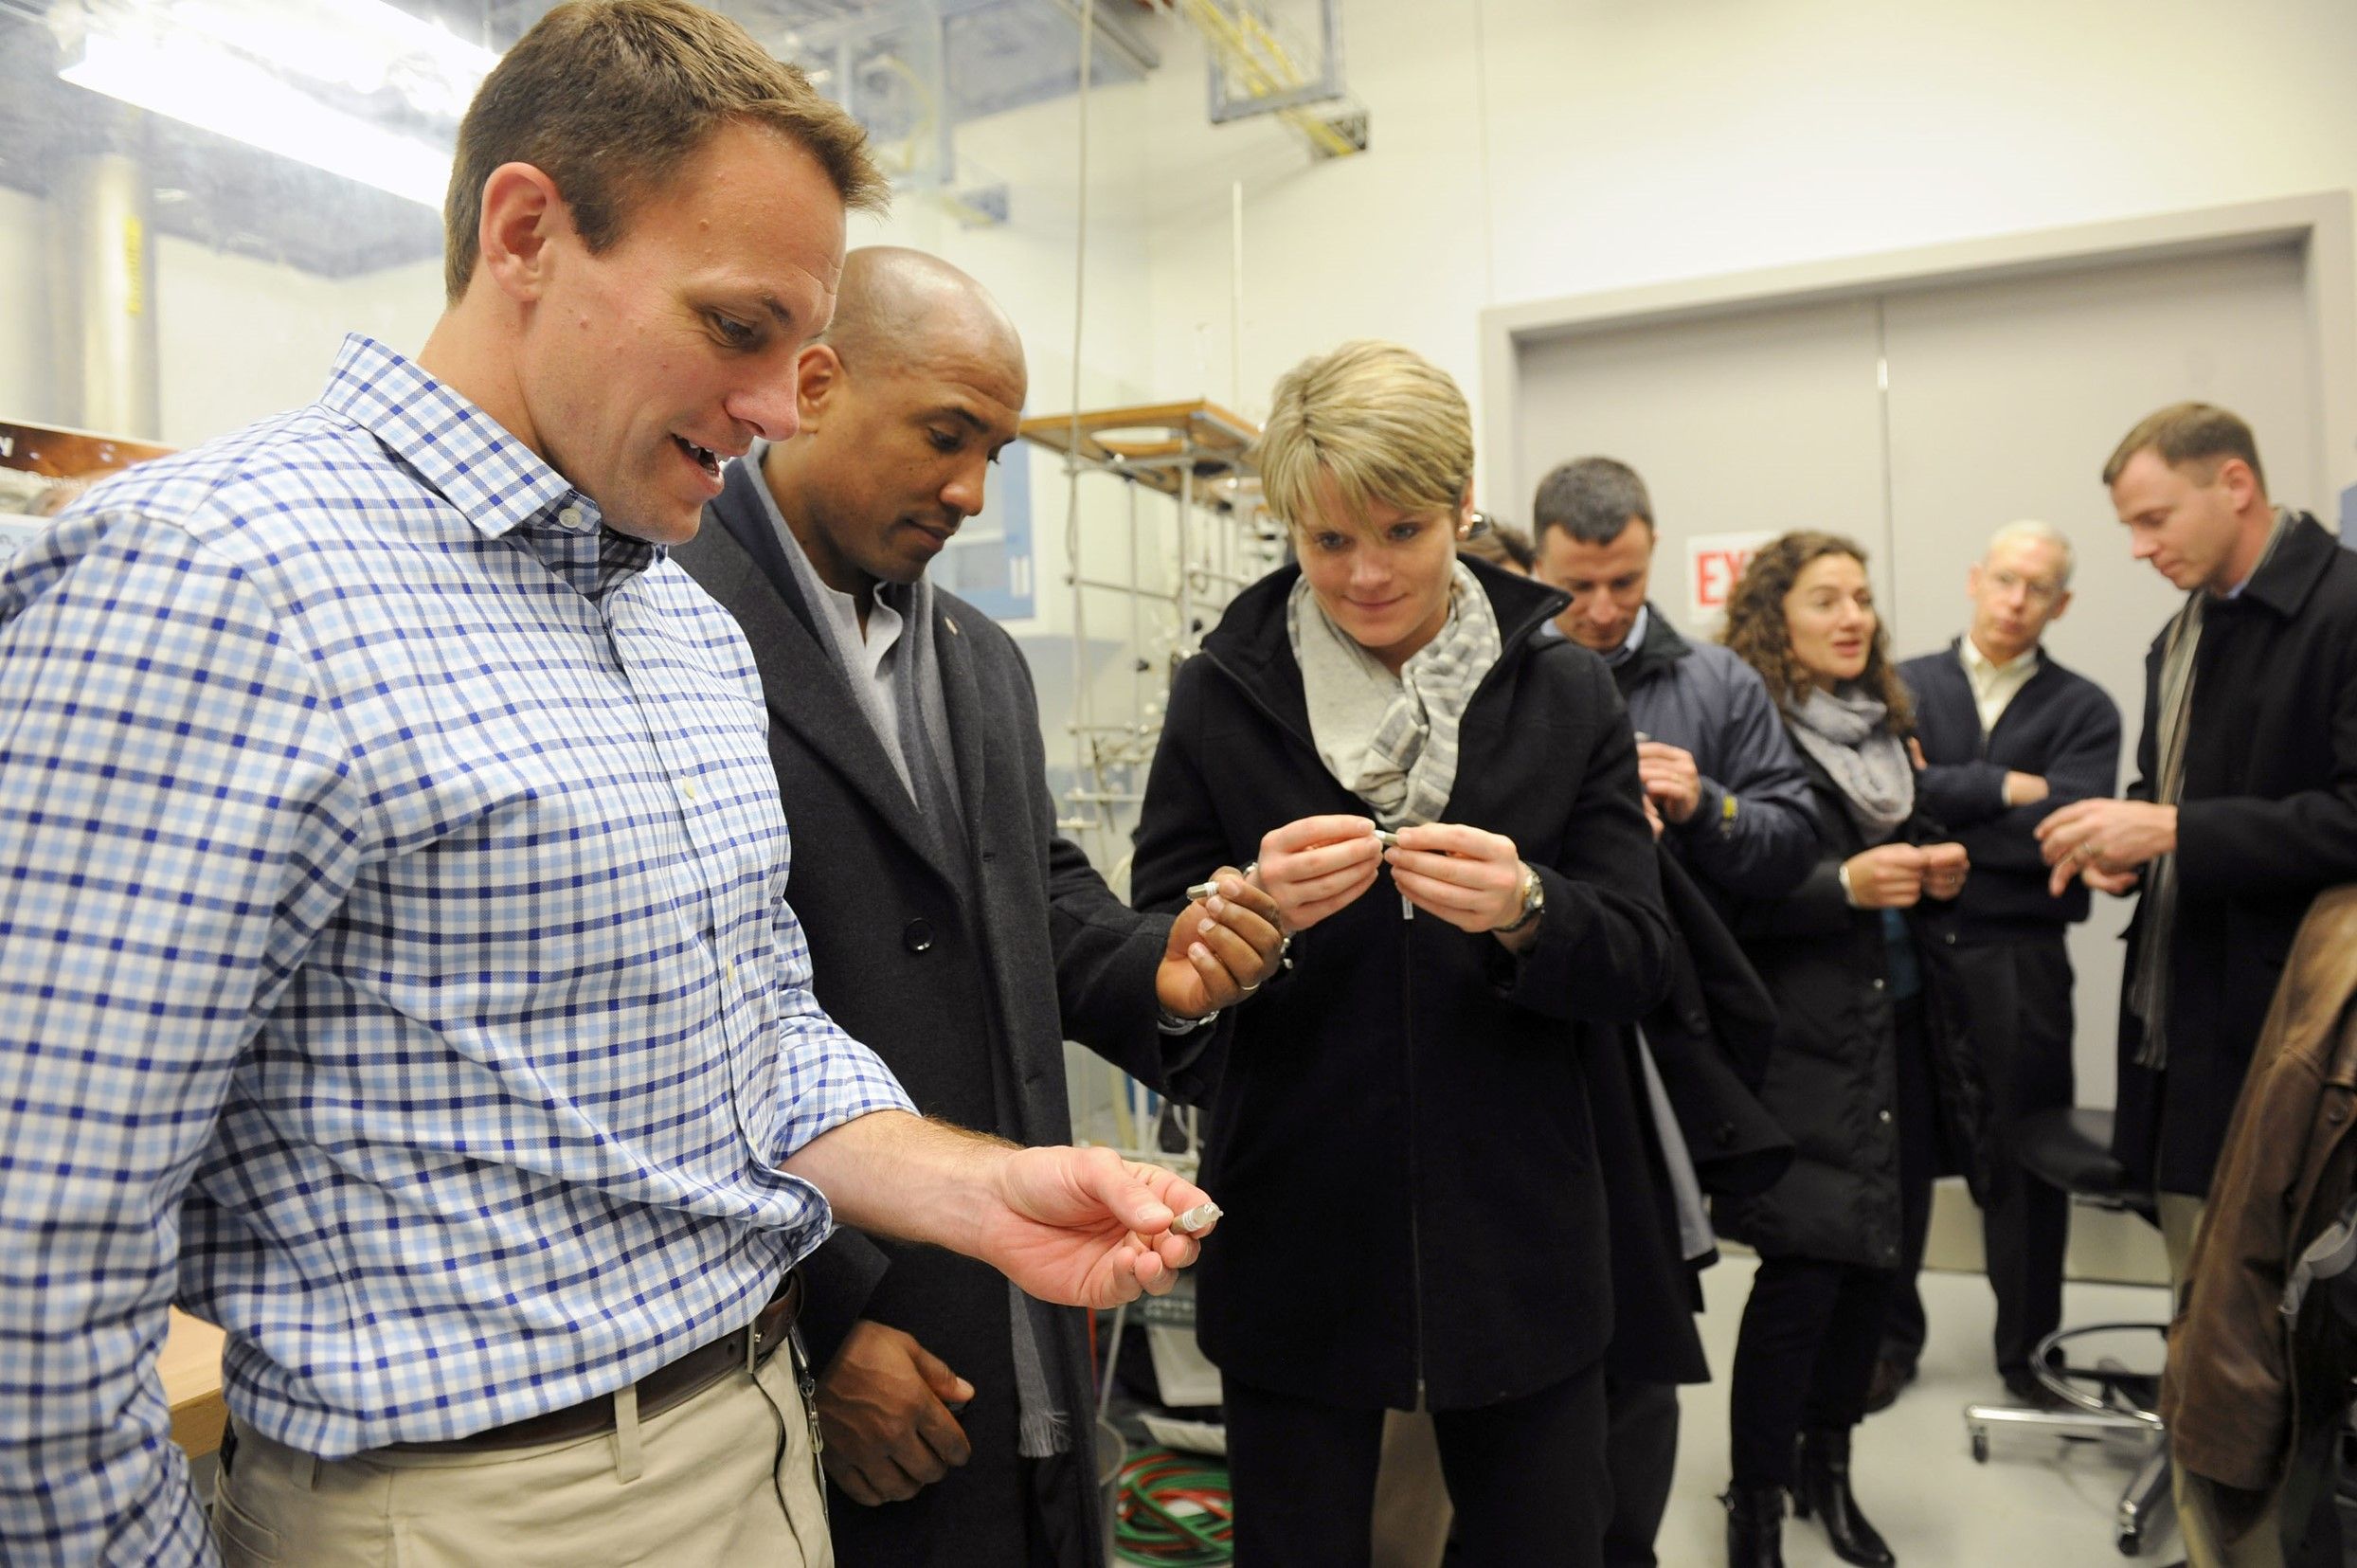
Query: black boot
x,y
1755,1527
1823,1488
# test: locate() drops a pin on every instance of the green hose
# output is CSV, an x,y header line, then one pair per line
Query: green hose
x,y
1175,1512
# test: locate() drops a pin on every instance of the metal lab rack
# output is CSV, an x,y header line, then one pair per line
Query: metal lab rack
x,y
1170,584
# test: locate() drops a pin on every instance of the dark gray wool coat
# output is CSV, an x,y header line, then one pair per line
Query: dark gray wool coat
x,y
965,978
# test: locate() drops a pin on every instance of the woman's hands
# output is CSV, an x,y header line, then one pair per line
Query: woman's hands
x,y
1896,876
1470,878
1463,875
1316,865
1945,867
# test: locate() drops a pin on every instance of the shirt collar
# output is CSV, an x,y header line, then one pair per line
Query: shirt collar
x,y
1980,663
1629,644
1635,640
476,465
898,600
496,483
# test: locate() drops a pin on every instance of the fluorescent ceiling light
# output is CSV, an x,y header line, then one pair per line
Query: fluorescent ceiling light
x,y
365,46
214,90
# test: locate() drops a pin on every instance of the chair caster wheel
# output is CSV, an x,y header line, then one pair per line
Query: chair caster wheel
x,y
2129,1542
1980,1447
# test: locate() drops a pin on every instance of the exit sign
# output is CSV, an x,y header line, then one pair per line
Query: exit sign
x,y
1714,562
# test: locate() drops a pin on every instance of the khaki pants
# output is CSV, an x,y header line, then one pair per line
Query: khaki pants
x,y
1411,1510
2223,1526
701,1486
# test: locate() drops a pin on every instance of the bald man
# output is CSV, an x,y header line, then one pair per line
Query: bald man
x,y
950,928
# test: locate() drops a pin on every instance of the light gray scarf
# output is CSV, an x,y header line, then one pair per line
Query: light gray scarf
x,y
1846,732
1391,739
2147,986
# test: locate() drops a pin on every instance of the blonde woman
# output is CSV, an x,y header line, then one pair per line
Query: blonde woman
x,y
1401,1134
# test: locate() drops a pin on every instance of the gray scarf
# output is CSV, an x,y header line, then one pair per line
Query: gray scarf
x,y
1846,733
1391,739
2156,918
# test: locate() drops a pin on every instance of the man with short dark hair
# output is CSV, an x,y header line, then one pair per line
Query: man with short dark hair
x,y
1712,752
397,968
1731,803
2009,735
951,929
2244,808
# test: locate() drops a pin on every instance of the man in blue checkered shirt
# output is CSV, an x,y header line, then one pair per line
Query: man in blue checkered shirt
x,y
394,962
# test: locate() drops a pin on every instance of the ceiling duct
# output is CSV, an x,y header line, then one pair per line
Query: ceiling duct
x,y
912,70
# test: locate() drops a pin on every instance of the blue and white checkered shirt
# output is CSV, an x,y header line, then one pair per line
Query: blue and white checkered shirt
x,y
394,959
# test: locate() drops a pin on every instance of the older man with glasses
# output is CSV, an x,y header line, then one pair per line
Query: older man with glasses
x,y
2009,735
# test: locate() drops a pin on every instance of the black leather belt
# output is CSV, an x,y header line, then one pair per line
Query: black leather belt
x,y
669,1385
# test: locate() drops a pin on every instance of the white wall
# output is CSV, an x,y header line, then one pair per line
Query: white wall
x,y
242,338
1525,149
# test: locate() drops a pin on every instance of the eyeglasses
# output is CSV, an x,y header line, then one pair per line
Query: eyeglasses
x,y
2037,590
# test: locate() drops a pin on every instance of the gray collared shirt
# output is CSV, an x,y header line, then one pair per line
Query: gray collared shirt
x,y
872,657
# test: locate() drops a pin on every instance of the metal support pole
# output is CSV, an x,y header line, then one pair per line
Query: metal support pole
x,y
1186,544
103,289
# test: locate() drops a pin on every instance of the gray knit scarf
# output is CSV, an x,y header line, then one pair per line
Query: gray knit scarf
x,y
1848,733
1391,739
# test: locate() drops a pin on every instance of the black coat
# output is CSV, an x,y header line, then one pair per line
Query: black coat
x,y
965,978
1833,1077
1400,1132
1713,1037
2267,819
1715,1027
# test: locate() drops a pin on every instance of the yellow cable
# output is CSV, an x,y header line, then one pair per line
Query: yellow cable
x,y
1227,37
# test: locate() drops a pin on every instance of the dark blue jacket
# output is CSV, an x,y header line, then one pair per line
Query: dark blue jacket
x,y
1701,698
2059,725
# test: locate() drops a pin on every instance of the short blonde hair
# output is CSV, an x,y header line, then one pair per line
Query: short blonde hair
x,y
1378,422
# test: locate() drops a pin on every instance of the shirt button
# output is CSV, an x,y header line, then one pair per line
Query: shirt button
x,y
917,936
570,517
689,790
1882,1115
1878,985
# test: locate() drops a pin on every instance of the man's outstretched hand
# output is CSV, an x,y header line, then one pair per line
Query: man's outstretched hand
x,y
1087,1227
1079,1227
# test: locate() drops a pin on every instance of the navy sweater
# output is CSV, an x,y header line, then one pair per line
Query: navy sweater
x,y
2060,726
